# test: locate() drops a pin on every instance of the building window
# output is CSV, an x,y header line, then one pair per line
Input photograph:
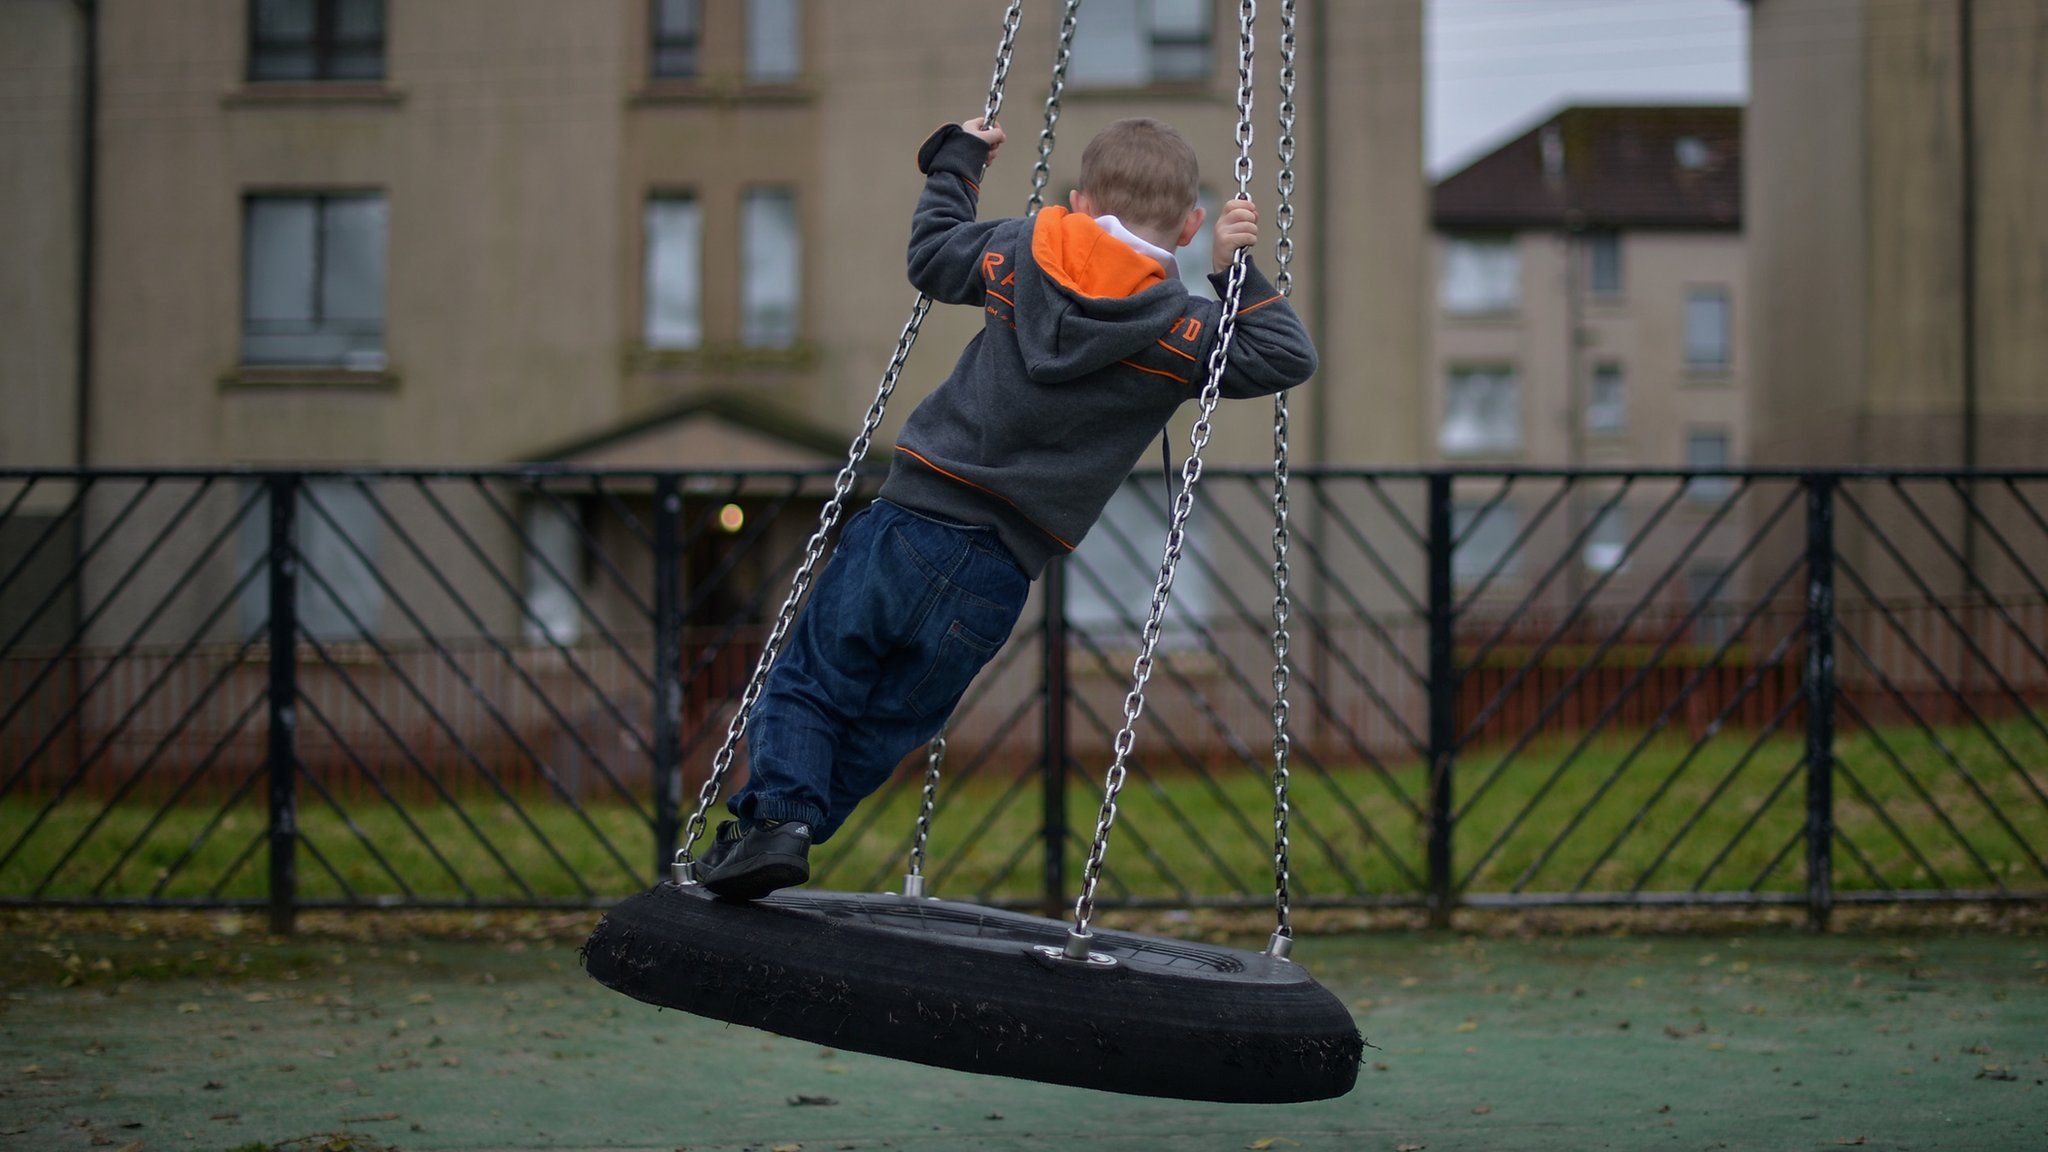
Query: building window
x,y
1707,449
554,572
313,280
1109,583
672,307
1603,263
316,40
771,269
1195,257
1607,404
1482,543
1706,587
1706,328
774,40
678,35
337,527
1481,274
1132,43
1607,541
1482,412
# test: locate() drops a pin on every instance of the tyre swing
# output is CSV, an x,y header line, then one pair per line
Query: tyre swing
x,y
957,985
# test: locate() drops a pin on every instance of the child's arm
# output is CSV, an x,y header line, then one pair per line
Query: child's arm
x,y
1271,351
946,242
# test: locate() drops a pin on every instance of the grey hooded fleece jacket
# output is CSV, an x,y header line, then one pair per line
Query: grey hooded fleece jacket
x,y
1087,347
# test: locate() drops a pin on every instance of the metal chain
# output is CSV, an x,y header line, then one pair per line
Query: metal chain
x,y
1041,172
1183,505
828,517
1283,609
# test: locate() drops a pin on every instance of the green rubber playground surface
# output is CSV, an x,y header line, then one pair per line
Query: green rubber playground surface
x,y
139,1034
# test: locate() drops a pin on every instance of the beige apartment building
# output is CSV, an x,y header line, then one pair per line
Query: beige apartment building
x,y
1900,291
623,233
1899,295
1587,314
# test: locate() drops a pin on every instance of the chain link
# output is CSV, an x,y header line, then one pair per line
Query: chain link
x,y
1042,171
1283,609
842,485
1183,505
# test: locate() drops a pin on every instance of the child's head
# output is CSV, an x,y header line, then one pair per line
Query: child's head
x,y
1144,173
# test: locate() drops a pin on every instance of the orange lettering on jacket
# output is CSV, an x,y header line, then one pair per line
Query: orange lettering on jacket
x,y
990,261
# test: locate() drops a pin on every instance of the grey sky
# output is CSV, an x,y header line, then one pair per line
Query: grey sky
x,y
1494,66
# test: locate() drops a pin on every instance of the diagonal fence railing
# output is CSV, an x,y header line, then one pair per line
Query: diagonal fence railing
x,y
285,690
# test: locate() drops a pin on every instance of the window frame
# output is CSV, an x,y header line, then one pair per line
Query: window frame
x,y
1496,373
794,195
1618,372
657,43
1151,45
1726,297
648,202
1506,242
1598,243
321,199
747,32
1712,489
324,43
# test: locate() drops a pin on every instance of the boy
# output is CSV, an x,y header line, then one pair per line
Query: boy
x,y
1089,342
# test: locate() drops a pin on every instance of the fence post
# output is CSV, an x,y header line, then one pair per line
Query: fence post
x,y
1819,691
1054,737
1443,700
282,754
668,671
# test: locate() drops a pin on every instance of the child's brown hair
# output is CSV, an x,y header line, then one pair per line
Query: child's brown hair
x,y
1142,172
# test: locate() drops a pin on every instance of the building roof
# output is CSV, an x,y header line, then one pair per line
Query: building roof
x,y
1605,166
711,430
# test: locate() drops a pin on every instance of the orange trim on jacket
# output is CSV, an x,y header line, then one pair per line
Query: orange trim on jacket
x,y
914,455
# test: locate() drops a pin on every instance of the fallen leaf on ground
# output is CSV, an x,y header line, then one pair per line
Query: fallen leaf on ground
x,y
1409,1147
1265,1142
787,1148
802,1101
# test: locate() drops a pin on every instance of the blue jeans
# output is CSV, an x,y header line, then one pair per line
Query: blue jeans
x,y
904,615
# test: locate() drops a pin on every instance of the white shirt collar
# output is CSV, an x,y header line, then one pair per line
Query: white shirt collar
x,y
1116,228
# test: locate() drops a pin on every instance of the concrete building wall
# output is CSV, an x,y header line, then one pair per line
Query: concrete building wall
x,y
41,82
1856,199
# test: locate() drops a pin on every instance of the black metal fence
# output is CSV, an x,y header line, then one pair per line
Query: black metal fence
x,y
501,688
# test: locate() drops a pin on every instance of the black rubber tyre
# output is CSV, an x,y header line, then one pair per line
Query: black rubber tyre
x,y
961,986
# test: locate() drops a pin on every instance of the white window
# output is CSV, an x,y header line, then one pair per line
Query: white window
x,y
1607,542
1603,263
1481,274
1132,43
771,269
1195,257
313,280
1607,402
672,308
554,571
337,530
677,39
774,40
1707,448
1482,412
1113,572
1706,328
1482,543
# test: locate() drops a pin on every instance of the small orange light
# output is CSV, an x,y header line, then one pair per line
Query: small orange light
x,y
732,518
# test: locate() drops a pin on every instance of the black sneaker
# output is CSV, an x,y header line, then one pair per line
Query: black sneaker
x,y
748,866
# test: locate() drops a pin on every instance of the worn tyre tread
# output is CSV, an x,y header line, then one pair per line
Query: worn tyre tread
x,y
959,986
